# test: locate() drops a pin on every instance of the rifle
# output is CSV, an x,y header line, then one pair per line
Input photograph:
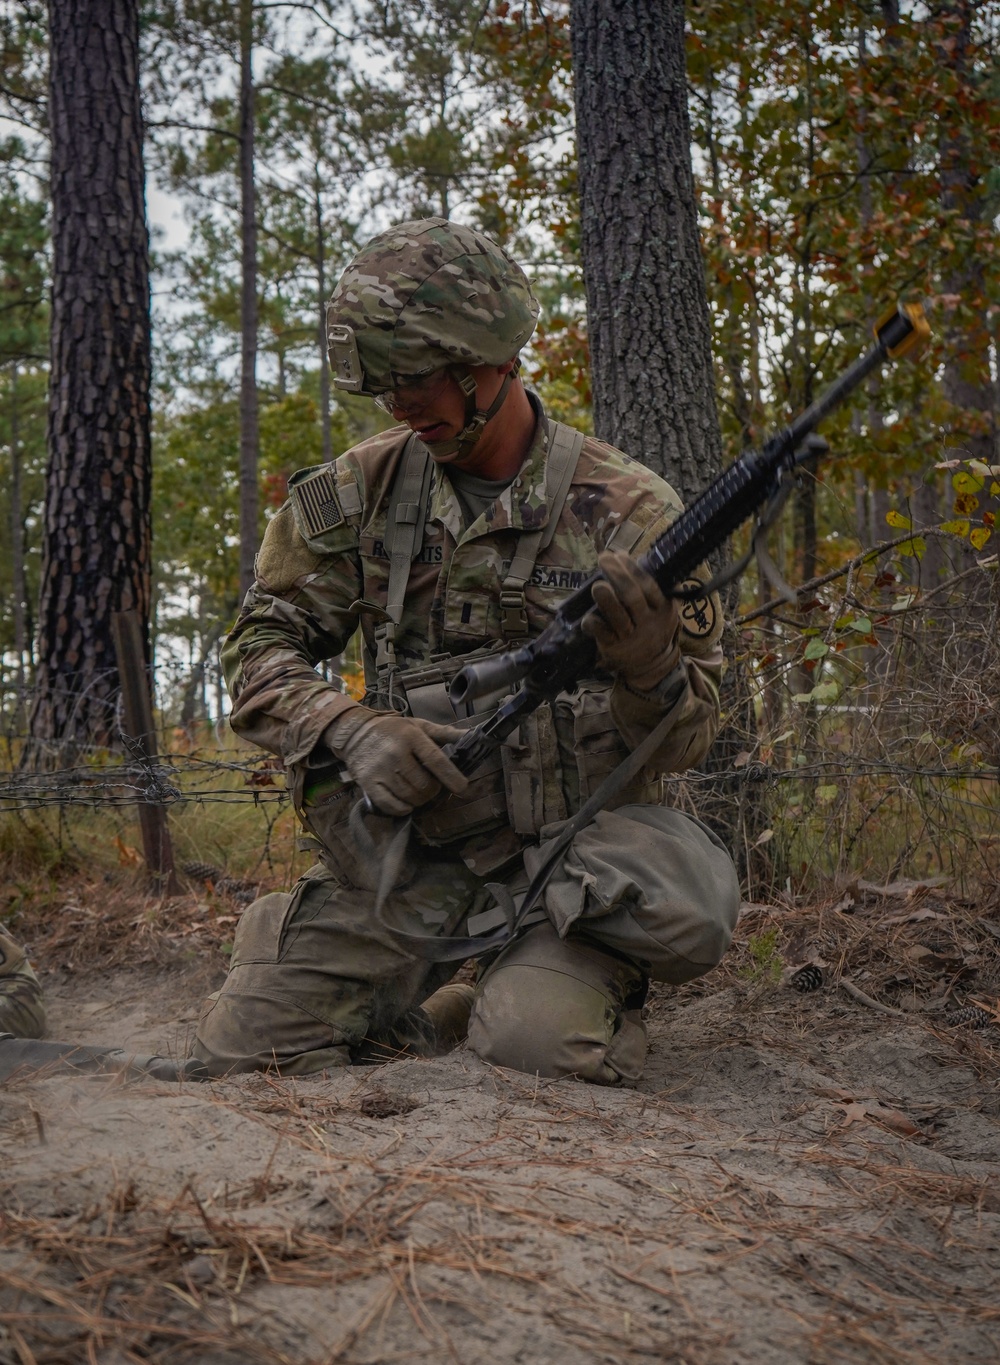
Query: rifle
x,y
554,660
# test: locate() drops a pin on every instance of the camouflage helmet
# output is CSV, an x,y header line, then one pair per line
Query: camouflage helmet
x,y
421,296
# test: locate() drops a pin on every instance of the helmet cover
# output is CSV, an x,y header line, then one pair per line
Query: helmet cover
x,y
423,295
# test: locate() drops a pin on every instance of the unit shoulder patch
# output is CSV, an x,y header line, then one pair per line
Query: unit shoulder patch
x,y
697,612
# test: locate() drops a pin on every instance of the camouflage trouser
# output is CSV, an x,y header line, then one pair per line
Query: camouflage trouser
x,y
21,1010
317,981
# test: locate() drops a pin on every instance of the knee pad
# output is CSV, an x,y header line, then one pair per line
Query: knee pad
x,y
555,1008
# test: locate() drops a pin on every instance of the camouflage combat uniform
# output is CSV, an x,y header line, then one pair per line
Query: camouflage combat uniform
x,y
644,892
21,1010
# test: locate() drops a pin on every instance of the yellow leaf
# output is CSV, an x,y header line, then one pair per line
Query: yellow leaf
x,y
914,547
898,520
965,504
979,537
956,528
963,482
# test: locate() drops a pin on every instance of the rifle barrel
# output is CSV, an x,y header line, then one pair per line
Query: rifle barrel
x,y
729,500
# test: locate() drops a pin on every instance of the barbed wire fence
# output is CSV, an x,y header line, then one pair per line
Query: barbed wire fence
x,y
873,750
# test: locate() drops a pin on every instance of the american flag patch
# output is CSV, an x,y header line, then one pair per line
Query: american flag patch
x,y
317,501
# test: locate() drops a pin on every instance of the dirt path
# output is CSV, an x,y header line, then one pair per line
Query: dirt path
x,y
799,1179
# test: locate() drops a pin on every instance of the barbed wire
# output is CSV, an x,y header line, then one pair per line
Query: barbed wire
x,y
177,779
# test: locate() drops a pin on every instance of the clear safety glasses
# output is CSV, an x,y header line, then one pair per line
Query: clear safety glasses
x,y
415,395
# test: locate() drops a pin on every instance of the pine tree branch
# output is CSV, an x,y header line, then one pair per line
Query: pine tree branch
x,y
194,128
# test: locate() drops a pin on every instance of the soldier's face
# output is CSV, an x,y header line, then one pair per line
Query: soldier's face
x,y
435,409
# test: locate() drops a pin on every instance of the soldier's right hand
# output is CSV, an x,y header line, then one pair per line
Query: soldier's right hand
x,y
396,760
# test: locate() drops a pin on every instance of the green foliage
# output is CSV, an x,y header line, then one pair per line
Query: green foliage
x,y
28,847
830,187
766,963
840,161
23,382
23,409
196,502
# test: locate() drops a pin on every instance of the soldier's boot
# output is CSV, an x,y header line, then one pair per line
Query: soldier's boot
x,y
22,1012
430,1030
28,1057
449,1009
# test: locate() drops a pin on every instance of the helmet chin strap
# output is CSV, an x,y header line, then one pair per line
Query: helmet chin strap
x,y
457,447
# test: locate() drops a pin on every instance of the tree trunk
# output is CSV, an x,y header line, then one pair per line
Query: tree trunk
x,y
966,380
647,306
17,545
97,521
249,432
324,364
193,704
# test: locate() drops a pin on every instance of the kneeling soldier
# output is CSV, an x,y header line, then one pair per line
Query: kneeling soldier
x,y
453,534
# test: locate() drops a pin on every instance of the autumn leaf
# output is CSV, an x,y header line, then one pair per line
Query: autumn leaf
x,y
872,1111
914,548
964,482
127,855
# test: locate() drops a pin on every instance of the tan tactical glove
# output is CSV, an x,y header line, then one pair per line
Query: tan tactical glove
x,y
634,625
395,760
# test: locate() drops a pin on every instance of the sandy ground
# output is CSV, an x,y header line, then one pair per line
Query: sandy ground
x,y
799,1178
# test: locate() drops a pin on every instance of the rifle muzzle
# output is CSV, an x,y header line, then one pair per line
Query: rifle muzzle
x,y
496,674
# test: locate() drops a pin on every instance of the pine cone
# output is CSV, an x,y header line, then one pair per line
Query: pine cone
x,y
973,1016
202,872
807,978
240,891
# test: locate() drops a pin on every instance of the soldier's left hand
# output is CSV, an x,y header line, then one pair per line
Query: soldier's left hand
x,y
634,625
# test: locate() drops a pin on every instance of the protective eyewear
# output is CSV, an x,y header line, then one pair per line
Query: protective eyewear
x,y
415,395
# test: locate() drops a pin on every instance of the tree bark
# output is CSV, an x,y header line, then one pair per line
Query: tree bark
x,y
18,584
324,363
97,520
966,380
647,306
249,428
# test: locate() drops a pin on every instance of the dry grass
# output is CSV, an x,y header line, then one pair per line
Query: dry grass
x,y
909,945
444,1212
128,1276
424,1250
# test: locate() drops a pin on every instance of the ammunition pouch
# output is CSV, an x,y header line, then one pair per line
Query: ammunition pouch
x,y
543,771
483,806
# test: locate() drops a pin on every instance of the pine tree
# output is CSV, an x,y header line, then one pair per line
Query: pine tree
x,y
97,523
647,309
